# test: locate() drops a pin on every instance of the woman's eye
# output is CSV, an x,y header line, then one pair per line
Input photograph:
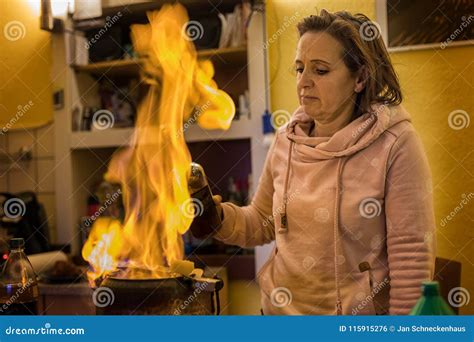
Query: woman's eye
x,y
321,71
299,70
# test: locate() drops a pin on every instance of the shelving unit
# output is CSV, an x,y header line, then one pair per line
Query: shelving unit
x,y
82,155
114,137
240,129
117,137
125,67
131,67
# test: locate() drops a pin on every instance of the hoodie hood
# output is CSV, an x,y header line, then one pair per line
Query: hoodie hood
x,y
354,137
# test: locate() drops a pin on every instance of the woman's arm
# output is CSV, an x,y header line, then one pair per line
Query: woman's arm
x,y
251,225
411,240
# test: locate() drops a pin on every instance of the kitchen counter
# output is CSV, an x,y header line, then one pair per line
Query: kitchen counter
x,y
66,299
76,289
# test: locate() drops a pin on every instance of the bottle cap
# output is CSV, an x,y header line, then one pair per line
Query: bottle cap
x,y
17,243
430,288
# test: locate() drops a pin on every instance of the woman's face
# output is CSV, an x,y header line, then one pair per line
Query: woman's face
x,y
326,88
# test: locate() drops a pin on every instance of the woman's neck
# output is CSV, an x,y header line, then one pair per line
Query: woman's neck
x,y
328,129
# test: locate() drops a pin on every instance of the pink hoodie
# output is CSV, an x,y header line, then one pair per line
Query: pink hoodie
x,y
352,217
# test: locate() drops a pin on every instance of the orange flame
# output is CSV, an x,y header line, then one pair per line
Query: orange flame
x,y
153,171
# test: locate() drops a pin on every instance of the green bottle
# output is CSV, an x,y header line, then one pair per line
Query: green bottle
x,y
431,303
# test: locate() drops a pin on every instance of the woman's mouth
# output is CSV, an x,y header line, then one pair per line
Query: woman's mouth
x,y
307,99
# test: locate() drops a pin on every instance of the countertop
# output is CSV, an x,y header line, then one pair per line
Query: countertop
x,y
75,289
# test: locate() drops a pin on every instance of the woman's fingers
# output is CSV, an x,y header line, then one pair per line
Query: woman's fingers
x,y
217,199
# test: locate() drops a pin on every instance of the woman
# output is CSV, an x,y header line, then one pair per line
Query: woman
x,y
345,190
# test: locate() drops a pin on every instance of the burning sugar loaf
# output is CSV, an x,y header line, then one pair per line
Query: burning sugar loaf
x,y
153,171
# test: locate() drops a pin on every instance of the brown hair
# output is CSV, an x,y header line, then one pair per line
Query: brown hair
x,y
363,47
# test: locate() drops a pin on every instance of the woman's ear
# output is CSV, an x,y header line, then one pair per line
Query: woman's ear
x,y
361,79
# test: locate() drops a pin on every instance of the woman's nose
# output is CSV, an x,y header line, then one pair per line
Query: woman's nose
x,y
305,81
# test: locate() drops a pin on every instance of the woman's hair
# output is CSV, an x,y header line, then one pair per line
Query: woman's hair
x,y
363,47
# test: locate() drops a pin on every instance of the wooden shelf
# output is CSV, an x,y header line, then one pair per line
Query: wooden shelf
x,y
131,67
125,67
136,11
239,129
226,56
116,137
113,137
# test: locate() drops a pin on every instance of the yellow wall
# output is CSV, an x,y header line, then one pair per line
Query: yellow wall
x,y
435,82
244,298
25,65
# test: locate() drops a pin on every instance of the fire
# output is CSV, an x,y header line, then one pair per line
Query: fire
x,y
104,246
153,171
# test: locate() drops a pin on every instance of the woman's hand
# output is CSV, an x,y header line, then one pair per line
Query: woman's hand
x,y
217,201
208,222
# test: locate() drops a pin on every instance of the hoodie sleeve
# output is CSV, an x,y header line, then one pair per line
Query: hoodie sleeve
x,y
251,225
410,222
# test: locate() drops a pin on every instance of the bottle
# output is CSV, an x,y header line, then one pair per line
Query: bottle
x,y
19,293
268,129
431,302
206,218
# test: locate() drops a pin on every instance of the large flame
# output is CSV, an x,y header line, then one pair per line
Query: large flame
x,y
153,171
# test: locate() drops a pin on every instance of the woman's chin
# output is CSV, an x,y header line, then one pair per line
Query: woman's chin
x,y
311,111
